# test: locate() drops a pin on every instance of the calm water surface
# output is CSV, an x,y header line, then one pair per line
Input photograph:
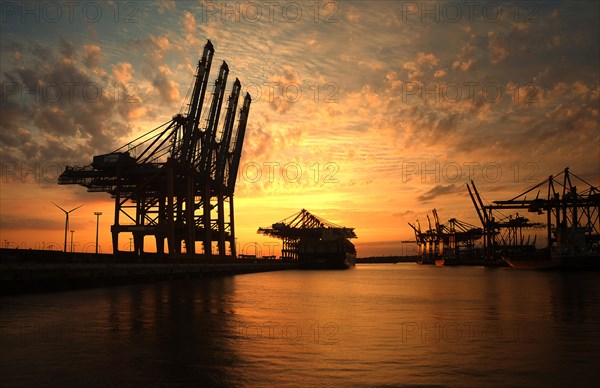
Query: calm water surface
x,y
376,325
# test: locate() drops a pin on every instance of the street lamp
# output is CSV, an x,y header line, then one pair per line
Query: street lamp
x,y
97,214
72,240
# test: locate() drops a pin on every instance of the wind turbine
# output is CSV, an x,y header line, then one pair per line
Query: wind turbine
x,y
66,220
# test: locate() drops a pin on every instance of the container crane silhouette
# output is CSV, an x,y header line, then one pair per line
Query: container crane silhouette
x,y
173,182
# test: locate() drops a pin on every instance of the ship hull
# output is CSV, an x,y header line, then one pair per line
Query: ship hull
x,y
556,262
425,259
331,260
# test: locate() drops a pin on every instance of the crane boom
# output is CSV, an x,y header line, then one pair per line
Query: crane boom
x,y
223,147
239,142
210,133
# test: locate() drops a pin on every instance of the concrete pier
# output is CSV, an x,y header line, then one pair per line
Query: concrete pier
x,y
23,271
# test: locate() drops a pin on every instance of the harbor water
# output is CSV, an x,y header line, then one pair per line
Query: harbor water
x,y
375,325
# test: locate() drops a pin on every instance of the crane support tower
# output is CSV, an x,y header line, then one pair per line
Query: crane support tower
x,y
176,182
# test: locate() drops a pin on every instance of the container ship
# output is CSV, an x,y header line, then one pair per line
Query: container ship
x,y
313,241
572,248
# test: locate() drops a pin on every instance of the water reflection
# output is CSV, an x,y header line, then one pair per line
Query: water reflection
x,y
188,331
372,326
159,333
574,296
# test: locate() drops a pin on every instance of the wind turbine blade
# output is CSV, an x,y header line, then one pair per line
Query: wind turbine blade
x,y
75,208
59,207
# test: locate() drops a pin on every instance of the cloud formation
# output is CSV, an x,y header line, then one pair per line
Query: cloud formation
x,y
358,84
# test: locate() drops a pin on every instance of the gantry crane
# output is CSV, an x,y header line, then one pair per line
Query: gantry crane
x,y
173,183
445,244
572,220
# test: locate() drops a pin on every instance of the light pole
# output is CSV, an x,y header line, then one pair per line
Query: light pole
x,y
97,214
72,240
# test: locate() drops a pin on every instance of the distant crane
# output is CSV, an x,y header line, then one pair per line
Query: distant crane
x,y
572,220
66,220
445,244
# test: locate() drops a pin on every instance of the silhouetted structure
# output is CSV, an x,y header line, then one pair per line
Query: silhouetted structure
x,y
572,227
314,241
173,183
446,244
67,223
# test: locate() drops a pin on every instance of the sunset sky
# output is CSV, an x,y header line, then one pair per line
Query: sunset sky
x,y
366,113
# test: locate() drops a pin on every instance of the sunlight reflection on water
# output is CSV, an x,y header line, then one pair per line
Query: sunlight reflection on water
x,y
373,325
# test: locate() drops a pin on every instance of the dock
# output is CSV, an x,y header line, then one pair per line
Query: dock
x,y
25,271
